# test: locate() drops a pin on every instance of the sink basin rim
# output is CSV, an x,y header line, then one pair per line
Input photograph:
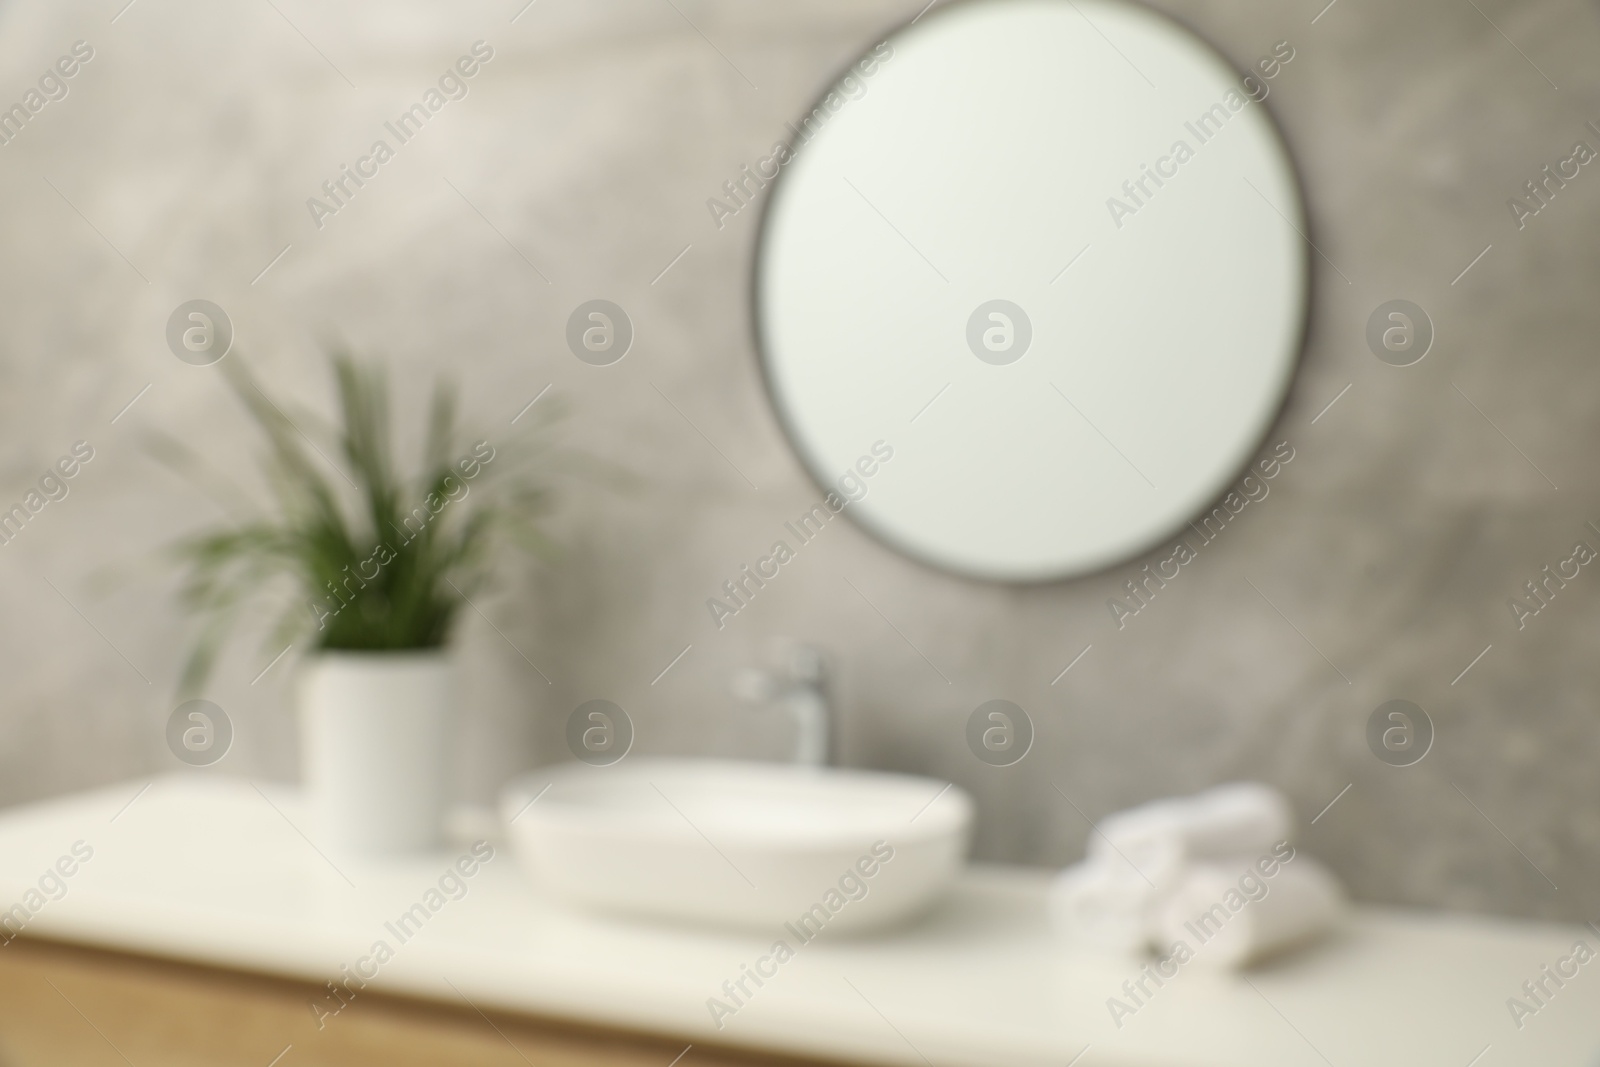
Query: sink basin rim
x,y
571,797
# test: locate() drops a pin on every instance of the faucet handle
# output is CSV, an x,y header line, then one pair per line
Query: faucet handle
x,y
754,685
807,664
798,664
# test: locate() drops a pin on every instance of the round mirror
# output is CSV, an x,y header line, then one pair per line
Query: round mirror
x,y
1047,256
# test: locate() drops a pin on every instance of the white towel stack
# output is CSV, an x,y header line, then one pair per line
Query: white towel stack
x,y
1207,870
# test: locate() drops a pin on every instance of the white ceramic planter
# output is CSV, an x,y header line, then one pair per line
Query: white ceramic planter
x,y
375,728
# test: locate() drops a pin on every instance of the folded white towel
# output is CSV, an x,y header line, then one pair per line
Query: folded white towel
x,y
1159,839
1105,908
1230,913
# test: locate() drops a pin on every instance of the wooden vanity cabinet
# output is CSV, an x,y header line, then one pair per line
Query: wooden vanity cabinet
x,y
67,1006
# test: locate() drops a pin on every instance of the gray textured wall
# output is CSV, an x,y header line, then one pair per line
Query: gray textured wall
x,y
179,166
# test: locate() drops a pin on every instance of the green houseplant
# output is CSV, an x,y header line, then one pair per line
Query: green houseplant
x,y
371,570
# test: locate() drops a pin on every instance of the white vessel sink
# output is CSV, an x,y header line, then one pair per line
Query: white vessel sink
x,y
749,845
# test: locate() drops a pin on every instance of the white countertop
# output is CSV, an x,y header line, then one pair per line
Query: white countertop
x,y
212,870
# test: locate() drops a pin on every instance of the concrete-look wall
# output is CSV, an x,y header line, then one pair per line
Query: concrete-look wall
x,y
578,167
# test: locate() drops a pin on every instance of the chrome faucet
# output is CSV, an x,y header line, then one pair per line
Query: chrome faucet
x,y
801,687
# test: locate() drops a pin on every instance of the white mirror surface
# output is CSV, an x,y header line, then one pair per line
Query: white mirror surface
x,y
1146,327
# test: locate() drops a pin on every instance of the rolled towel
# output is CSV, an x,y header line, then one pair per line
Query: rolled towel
x,y
1232,913
1159,839
1100,906
1147,841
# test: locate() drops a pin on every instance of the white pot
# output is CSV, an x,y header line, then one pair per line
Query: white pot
x,y
374,732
